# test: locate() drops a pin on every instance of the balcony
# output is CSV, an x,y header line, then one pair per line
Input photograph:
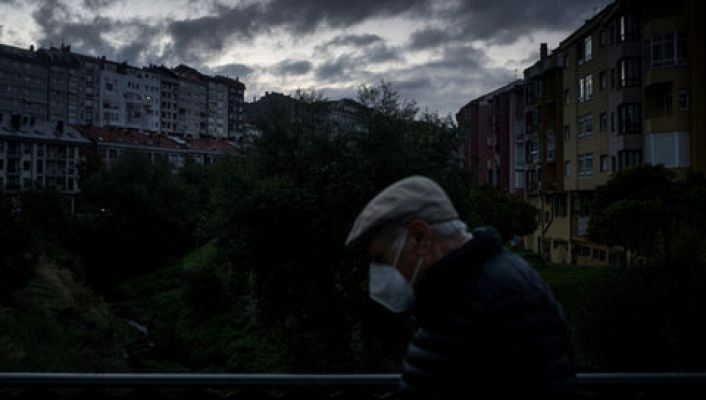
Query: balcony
x,y
595,386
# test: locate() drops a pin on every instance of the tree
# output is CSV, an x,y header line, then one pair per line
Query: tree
x,y
146,215
384,99
651,214
638,210
510,214
15,269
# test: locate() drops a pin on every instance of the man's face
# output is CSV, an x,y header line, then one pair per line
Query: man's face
x,y
385,251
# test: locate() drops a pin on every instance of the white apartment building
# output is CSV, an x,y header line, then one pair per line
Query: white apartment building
x,y
129,97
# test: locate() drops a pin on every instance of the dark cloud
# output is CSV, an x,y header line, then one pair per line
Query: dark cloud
x,y
458,72
335,69
233,70
505,21
427,38
202,37
98,4
354,40
354,65
292,67
381,53
88,35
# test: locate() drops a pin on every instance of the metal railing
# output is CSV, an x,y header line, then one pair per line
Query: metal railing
x,y
310,386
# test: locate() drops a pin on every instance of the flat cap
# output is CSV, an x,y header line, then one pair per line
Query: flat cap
x,y
404,200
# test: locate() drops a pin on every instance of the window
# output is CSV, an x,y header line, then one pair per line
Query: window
x,y
683,99
519,155
629,72
551,146
603,79
40,167
585,50
659,100
604,163
567,96
604,122
2,164
665,50
629,116
586,164
567,168
560,206
629,159
628,28
585,88
567,132
26,166
585,126
612,121
672,149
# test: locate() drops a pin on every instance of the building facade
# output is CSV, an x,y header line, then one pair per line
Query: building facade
x,y
624,89
23,83
192,103
490,124
38,154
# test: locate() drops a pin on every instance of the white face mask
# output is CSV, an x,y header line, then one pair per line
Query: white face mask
x,y
387,285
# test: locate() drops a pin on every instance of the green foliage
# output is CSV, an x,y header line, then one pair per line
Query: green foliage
x,y
633,319
646,211
138,215
510,214
14,245
195,324
57,324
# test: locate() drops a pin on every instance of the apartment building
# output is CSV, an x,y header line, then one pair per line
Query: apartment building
x,y
490,123
217,125
192,103
235,99
169,93
622,90
23,83
64,84
544,155
89,89
37,153
673,84
129,97
110,144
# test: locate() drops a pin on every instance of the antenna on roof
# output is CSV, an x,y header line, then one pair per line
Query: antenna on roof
x,y
515,73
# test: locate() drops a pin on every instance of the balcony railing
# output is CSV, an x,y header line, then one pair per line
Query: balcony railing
x,y
44,386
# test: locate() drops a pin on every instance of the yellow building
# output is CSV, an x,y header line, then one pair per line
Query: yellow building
x,y
631,85
673,82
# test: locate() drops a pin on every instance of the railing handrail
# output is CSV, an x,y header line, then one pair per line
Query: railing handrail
x,y
22,379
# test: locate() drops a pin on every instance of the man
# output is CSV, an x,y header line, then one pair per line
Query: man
x,y
490,327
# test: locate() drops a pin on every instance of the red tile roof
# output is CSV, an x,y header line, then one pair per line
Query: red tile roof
x,y
152,139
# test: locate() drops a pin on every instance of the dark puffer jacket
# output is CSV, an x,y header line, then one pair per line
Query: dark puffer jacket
x,y
490,328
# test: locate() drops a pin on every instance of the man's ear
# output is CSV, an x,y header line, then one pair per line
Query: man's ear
x,y
420,234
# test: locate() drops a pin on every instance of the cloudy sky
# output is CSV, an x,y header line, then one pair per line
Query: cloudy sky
x,y
441,53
